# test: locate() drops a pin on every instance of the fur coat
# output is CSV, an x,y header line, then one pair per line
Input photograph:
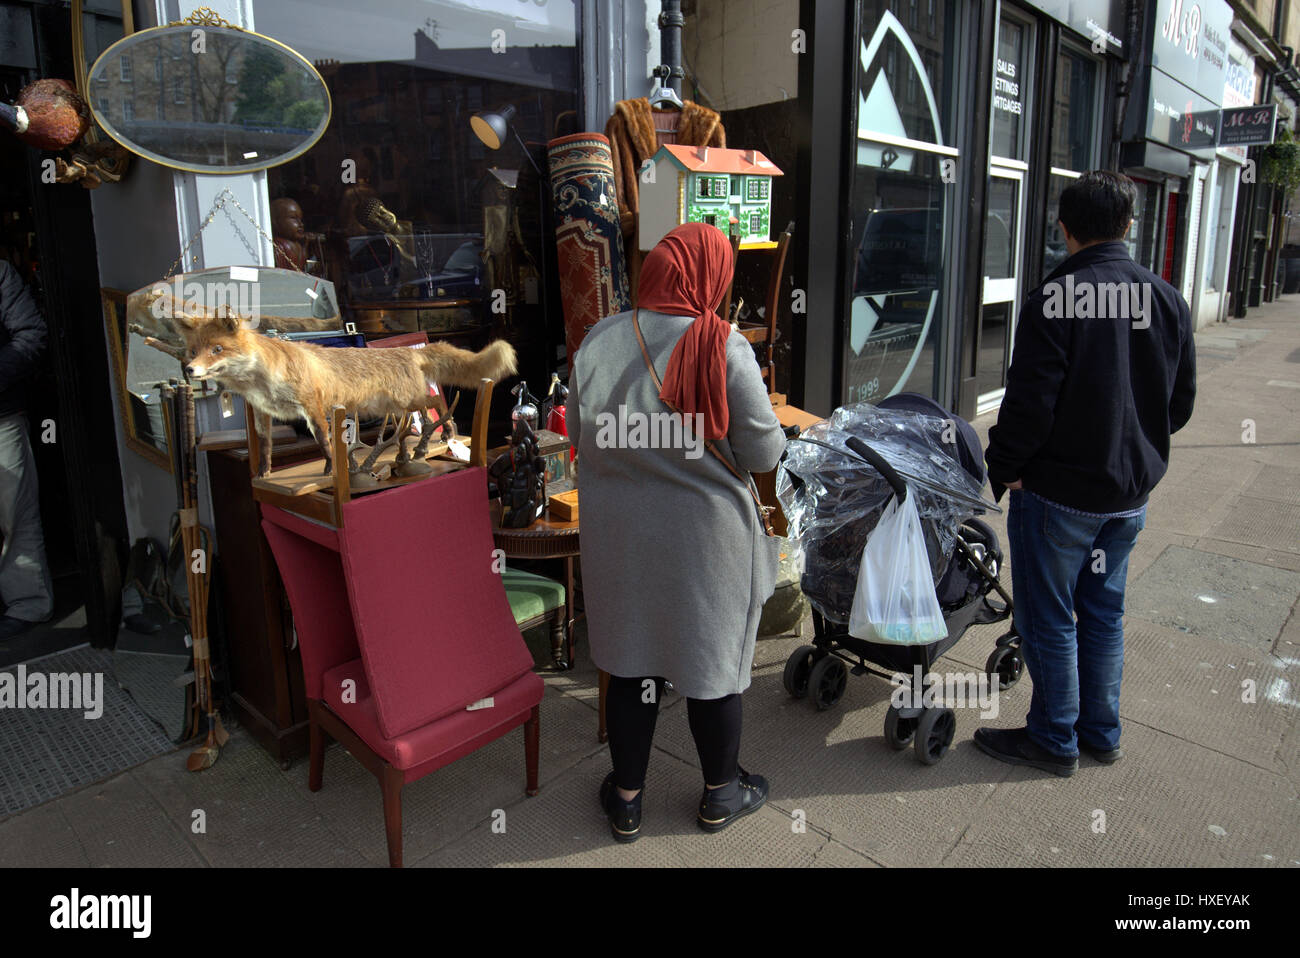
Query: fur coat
x,y
632,141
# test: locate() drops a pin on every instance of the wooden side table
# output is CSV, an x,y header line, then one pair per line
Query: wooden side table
x,y
546,538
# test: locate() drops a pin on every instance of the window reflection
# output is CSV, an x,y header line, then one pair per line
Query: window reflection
x,y
402,206
1074,111
899,199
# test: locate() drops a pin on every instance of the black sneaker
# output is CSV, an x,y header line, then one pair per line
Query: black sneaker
x,y
1015,747
1107,756
624,817
721,806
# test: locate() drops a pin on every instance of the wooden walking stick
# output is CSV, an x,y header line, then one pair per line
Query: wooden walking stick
x,y
192,539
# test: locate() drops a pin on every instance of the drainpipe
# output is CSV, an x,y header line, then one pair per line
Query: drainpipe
x,y
671,22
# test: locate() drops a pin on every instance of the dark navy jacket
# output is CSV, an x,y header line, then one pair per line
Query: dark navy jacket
x,y
1094,393
22,339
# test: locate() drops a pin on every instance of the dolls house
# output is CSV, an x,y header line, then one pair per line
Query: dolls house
x,y
729,189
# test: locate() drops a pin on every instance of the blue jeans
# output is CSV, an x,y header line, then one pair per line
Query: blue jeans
x,y
1062,566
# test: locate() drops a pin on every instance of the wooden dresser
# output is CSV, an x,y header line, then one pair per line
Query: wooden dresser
x,y
266,681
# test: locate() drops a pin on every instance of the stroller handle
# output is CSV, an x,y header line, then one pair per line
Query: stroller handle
x,y
881,466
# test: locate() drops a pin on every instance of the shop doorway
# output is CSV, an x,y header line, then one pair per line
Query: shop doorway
x,y
19,248
1000,302
47,233
1171,244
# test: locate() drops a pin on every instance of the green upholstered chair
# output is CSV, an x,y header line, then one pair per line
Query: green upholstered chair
x,y
535,599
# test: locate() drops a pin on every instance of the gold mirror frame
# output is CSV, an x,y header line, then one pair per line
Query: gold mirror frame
x,y
119,338
207,20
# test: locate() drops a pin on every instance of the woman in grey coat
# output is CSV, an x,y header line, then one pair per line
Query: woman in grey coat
x,y
676,565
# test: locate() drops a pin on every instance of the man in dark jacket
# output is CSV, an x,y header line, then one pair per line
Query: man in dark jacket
x,y
24,575
1104,371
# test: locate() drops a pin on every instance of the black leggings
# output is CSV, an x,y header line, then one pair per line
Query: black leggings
x,y
630,721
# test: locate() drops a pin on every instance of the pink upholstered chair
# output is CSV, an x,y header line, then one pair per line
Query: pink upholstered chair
x,y
402,623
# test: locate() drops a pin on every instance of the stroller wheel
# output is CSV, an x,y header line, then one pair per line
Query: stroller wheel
x,y
1006,666
899,731
934,732
797,670
826,682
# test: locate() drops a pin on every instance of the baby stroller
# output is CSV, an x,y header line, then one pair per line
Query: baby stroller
x,y
834,483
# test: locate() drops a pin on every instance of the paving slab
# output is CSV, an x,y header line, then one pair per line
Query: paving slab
x,y
1261,522
1164,804
253,814
1214,596
567,827
41,838
119,824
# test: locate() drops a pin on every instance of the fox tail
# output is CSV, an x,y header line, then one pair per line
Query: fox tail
x,y
450,365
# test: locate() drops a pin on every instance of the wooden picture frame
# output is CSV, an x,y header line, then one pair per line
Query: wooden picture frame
x,y
141,437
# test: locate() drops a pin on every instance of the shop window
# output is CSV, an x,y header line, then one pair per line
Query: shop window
x,y
901,212
1075,131
1074,112
415,221
1010,95
1054,253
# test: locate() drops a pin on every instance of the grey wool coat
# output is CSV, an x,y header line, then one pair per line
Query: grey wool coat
x,y
675,565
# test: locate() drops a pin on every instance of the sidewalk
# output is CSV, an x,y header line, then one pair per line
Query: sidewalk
x,y
1208,779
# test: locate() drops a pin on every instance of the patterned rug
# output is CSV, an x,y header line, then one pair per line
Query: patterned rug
x,y
588,240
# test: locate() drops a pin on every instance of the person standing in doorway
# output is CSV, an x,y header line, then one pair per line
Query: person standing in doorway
x,y
1103,372
24,575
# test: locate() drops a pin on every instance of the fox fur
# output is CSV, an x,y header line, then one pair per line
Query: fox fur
x,y
294,380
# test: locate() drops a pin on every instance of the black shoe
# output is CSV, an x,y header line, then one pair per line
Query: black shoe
x,y
624,817
11,628
1015,747
1107,756
721,806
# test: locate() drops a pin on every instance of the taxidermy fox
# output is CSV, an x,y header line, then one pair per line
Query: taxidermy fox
x,y
293,380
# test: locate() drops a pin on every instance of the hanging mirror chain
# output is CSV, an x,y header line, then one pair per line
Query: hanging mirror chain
x,y
220,204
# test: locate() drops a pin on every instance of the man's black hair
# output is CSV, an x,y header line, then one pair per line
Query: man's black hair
x,y
1098,206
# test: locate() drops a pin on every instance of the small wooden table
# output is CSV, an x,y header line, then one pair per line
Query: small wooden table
x,y
546,538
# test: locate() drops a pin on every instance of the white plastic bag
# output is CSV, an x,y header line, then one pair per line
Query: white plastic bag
x,y
895,601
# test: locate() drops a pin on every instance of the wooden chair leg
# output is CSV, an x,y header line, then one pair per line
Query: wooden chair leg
x,y
601,734
532,728
316,734
557,638
390,782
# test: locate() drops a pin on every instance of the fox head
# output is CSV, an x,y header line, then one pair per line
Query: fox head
x,y
214,345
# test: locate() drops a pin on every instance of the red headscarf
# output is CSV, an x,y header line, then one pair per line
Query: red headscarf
x,y
687,274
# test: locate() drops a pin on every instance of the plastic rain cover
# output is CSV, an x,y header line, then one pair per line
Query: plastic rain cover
x,y
832,499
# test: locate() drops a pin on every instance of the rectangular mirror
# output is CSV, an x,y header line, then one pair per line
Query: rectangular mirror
x,y
138,371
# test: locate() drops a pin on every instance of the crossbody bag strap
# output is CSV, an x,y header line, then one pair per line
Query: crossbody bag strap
x,y
763,510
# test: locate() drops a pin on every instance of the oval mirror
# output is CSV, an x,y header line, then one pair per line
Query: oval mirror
x,y
208,99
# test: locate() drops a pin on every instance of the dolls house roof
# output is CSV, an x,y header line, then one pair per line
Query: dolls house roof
x,y
714,159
